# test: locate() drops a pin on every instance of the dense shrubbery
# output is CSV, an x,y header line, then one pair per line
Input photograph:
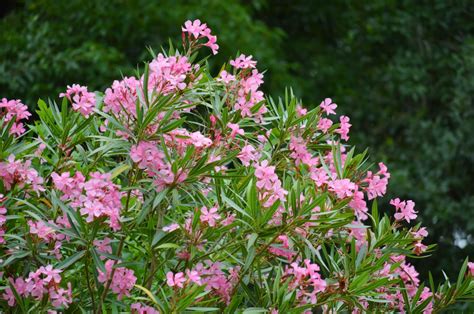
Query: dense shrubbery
x,y
176,191
407,62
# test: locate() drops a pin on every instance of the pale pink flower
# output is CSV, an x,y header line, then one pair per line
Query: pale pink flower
x,y
194,28
248,154
405,209
324,124
243,62
171,228
175,280
342,187
193,276
328,106
103,246
235,129
344,127
82,100
470,266
209,215
225,77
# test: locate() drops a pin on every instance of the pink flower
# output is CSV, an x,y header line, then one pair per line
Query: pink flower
x,y
470,266
344,127
300,152
193,276
378,182
248,154
199,140
61,297
319,176
50,273
300,111
171,228
359,205
328,106
235,129
137,308
10,109
406,209
41,230
225,77
103,246
16,172
324,124
123,280
266,175
210,216
147,155
243,62
194,28
342,187
175,280
82,100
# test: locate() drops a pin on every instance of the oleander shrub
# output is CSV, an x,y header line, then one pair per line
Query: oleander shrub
x,y
179,191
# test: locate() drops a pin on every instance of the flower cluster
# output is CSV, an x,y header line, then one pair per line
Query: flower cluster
x,y
121,279
95,198
269,184
82,100
306,280
15,173
199,30
43,282
15,111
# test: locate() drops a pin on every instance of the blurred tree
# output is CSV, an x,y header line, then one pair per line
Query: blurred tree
x,y
47,44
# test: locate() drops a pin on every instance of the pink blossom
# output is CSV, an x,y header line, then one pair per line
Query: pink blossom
x,y
122,282
168,74
171,228
300,111
406,209
470,266
248,154
147,155
328,106
61,297
16,172
342,187
137,308
199,140
235,129
175,280
193,276
225,77
266,175
194,28
209,215
243,62
41,230
324,124
319,176
82,100
344,127
103,246
10,109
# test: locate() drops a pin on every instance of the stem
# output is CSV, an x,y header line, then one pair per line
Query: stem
x,y
122,240
91,293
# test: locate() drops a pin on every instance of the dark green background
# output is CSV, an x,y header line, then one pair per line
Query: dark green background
x,y
402,70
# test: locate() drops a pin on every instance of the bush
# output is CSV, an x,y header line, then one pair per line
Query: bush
x,y
175,191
